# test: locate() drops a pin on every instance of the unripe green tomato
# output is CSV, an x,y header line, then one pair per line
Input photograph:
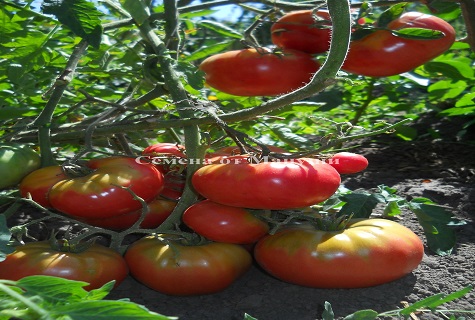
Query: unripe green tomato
x,y
16,161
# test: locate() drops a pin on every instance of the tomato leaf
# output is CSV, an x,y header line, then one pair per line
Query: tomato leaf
x,y
436,222
392,13
220,29
418,33
327,313
5,236
360,33
207,51
456,70
248,317
105,309
284,133
81,16
360,205
367,314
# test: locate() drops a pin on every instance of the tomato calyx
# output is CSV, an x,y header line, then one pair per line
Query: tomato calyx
x,y
65,245
76,169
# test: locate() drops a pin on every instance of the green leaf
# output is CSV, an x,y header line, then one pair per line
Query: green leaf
x,y
194,77
288,136
81,16
367,314
220,29
391,14
207,51
328,313
5,236
452,69
248,317
446,89
392,209
102,292
436,222
424,303
138,10
106,309
360,205
53,289
418,33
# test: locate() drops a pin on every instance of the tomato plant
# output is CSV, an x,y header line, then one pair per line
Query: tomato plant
x,y
383,53
222,223
16,161
170,267
251,72
267,185
96,265
100,193
233,150
303,30
348,162
367,252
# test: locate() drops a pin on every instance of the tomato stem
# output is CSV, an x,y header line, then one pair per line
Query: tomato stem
x,y
42,313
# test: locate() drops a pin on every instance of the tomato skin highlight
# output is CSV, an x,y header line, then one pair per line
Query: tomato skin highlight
x,y
97,265
267,185
382,54
299,30
368,252
222,223
182,270
248,72
100,193
348,162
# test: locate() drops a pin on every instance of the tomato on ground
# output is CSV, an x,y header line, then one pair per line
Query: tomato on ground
x,y
303,30
97,265
267,185
249,72
382,54
368,252
222,223
172,268
348,162
16,161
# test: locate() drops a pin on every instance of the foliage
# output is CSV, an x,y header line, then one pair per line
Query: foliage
x,y
47,297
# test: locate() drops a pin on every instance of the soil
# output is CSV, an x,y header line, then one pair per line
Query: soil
x,y
441,169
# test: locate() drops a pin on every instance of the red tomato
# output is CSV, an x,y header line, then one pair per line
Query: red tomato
x,y
348,162
39,182
267,185
251,73
97,265
160,210
176,269
222,223
299,30
165,148
368,252
233,150
102,193
382,54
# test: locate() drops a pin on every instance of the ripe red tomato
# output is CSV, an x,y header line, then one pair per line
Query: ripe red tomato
x,y
173,268
97,265
267,185
299,30
160,210
368,252
101,193
348,162
233,150
259,73
222,223
382,54
165,148
39,182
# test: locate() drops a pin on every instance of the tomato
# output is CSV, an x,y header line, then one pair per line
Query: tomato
x,y
159,211
222,223
348,162
382,54
299,30
38,183
176,269
165,148
232,150
267,185
97,265
102,193
249,72
368,252
16,161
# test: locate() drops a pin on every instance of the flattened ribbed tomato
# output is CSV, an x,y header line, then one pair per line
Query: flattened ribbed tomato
x,y
267,185
249,72
102,193
368,252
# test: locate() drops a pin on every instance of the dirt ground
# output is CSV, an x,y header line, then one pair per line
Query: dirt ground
x,y
442,170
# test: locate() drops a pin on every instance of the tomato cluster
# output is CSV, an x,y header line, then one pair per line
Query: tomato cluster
x,y
384,51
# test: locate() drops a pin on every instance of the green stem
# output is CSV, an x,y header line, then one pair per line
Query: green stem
x,y
369,97
43,122
42,313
